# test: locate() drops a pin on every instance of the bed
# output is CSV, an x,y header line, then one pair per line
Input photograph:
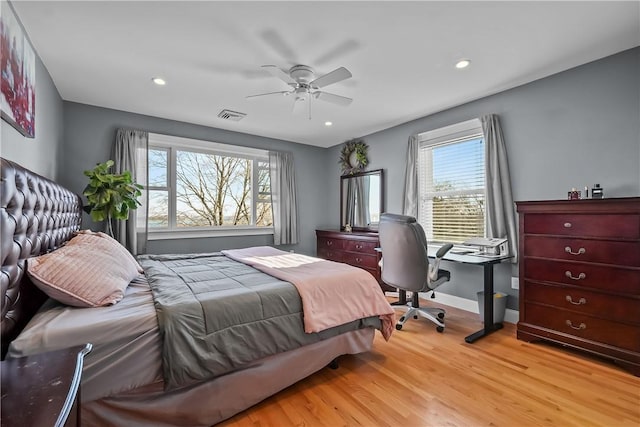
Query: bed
x,y
127,379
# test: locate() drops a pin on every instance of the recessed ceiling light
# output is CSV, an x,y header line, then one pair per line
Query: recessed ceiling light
x,y
159,81
328,123
463,63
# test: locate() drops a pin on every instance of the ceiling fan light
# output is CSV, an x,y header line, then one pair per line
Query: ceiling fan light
x,y
463,63
159,81
328,123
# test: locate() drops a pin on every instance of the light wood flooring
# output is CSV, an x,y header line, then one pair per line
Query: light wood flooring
x,y
424,378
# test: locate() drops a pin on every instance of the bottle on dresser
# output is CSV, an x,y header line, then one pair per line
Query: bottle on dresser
x,y
597,192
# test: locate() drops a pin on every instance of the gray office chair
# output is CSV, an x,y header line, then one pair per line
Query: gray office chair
x,y
405,265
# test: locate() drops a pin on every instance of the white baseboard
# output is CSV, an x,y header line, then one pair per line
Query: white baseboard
x,y
510,316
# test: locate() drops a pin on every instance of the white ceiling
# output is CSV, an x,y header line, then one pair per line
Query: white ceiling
x,y
401,54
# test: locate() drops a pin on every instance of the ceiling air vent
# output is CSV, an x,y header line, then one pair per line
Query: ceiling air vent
x,y
231,115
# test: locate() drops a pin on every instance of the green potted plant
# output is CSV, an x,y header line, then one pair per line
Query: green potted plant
x,y
110,196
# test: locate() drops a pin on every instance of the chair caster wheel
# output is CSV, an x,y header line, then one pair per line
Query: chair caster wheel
x,y
439,329
440,316
398,327
415,316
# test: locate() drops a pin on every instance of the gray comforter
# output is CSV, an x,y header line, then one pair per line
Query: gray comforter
x,y
217,315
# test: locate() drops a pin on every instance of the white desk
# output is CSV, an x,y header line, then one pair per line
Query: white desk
x,y
487,262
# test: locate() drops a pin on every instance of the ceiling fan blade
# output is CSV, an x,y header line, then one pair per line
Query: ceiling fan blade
x,y
334,76
277,72
341,49
334,99
279,45
282,92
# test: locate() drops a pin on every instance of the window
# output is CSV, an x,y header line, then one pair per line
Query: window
x,y
207,187
451,182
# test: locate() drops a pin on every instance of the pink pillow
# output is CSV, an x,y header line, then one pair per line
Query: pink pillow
x,y
91,270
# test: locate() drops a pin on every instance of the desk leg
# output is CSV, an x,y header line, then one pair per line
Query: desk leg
x,y
489,326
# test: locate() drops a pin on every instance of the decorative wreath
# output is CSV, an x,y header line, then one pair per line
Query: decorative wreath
x,y
353,157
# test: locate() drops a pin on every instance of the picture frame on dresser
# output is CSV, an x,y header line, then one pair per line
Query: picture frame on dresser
x,y
580,276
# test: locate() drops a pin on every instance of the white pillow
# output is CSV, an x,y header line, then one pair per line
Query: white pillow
x,y
91,270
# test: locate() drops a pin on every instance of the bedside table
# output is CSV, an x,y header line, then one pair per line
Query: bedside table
x,y
43,389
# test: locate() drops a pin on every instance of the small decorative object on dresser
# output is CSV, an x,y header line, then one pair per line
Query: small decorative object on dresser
x,y
574,194
580,276
355,248
597,192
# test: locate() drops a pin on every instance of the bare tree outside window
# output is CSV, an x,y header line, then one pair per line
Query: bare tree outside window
x,y
210,190
457,217
158,189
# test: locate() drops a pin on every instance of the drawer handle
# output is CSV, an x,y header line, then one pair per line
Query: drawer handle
x,y
329,243
570,251
358,260
572,277
578,328
358,246
580,301
568,225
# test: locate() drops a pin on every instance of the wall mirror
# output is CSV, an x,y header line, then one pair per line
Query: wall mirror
x,y
361,200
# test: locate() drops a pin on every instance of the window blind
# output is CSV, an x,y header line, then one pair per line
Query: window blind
x,y
451,184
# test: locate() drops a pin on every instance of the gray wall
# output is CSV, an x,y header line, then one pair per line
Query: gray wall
x,y
572,129
40,153
89,135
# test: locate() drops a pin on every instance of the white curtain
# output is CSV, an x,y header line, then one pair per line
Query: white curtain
x,y
500,213
283,198
363,217
357,202
411,197
130,152
350,203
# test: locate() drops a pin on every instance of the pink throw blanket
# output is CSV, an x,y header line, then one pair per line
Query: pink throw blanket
x,y
332,293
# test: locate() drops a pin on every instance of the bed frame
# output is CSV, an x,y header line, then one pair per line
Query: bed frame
x,y
36,216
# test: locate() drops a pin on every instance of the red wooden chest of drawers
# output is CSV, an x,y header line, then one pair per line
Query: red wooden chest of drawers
x,y
356,248
580,276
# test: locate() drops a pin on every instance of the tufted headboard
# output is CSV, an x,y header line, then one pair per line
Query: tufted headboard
x,y
36,216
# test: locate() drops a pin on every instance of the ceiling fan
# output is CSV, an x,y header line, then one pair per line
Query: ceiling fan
x,y
305,86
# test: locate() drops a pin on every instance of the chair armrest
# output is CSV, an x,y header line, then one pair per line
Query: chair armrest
x,y
435,265
443,250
